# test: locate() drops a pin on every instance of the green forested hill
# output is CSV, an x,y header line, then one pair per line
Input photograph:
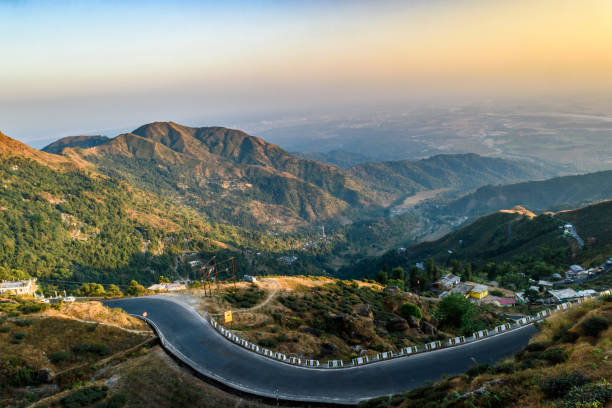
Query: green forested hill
x,y
232,176
227,175
64,223
460,172
514,235
559,193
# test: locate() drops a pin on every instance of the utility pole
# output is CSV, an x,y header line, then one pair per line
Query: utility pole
x,y
216,274
234,270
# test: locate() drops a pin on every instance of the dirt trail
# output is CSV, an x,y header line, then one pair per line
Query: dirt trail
x,y
270,297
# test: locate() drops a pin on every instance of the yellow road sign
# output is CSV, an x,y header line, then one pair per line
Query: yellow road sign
x,y
228,316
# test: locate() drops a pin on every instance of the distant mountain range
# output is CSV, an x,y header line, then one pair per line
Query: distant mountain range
x,y
111,208
339,158
232,176
459,172
559,193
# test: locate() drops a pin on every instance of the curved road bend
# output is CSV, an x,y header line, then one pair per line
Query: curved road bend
x,y
214,356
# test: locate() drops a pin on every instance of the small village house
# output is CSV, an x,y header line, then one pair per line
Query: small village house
x,y
22,287
447,282
479,292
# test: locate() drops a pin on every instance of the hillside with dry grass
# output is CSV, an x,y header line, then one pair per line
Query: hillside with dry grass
x,y
567,365
45,350
327,319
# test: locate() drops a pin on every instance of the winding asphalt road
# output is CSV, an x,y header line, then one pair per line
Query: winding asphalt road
x,y
189,336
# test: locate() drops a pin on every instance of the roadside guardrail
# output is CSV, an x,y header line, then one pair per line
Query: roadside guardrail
x,y
404,352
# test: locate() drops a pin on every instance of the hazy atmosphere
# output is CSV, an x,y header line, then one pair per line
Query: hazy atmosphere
x,y
343,203
83,67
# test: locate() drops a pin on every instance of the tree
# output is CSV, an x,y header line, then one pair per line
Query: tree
x,y
397,282
398,273
468,271
136,289
382,277
429,267
163,279
113,291
414,277
410,309
455,266
456,311
91,290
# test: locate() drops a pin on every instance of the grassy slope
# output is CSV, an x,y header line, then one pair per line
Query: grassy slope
x,y
308,312
29,342
521,381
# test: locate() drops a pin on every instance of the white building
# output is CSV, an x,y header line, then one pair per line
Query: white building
x,y
23,287
574,270
167,287
448,281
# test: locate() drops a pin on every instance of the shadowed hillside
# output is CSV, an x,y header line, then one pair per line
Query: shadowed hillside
x,y
75,141
227,174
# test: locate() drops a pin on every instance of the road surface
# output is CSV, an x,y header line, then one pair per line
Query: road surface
x,y
193,340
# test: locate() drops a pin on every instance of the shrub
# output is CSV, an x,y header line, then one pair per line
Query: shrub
x,y
281,338
116,401
496,292
410,309
23,322
293,323
84,397
22,377
33,307
19,336
569,337
506,368
100,349
59,356
554,356
594,326
269,343
588,395
477,370
244,299
91,290
538,346
136,289
557,387
5,329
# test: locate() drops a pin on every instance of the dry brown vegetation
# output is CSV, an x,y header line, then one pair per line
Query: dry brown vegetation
x,y
544,375
96,312
323,318
62,345
153,379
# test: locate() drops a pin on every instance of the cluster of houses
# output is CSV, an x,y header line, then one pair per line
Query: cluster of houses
x,y
577,273
549,295
452,284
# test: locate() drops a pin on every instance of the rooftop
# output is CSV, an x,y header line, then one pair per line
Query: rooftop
x,y
479,289
14,284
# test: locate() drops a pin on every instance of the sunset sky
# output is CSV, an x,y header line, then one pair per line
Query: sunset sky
x,y
79,66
